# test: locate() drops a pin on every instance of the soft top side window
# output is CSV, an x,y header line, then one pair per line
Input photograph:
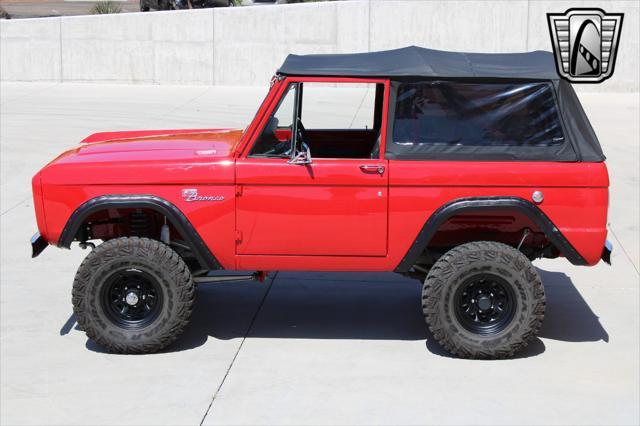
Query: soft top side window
x,y
476,114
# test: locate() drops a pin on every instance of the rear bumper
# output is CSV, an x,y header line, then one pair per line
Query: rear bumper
x,y
606,251
38,244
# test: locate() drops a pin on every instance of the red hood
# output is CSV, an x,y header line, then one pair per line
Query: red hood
x,y
146,134
223,141
136,156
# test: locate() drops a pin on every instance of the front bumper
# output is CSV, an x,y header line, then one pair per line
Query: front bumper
x,y
38,244
606,251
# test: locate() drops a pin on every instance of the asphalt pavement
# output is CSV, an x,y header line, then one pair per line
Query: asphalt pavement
x,y
300,348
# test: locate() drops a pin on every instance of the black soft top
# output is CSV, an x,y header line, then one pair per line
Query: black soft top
x,y
416,61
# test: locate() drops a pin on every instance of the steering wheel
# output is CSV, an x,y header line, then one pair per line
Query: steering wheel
x,y
284,148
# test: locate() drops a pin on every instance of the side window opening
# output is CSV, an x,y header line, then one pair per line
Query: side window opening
x,y
338,120
476,114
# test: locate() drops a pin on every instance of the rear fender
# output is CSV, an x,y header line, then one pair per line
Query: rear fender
x,y
467,205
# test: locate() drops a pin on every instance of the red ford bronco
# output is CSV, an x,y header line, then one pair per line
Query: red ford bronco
x,y
456,169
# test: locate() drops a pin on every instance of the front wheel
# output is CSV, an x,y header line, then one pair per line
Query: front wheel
x,y
133,295
483,300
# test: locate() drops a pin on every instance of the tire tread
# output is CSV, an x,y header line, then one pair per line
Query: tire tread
x,y
456,258
152,250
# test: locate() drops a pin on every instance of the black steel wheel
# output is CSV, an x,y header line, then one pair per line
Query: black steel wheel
x,y
133,295
483,300
132,298
485,304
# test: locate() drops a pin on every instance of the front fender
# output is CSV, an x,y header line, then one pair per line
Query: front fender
x,y
162,206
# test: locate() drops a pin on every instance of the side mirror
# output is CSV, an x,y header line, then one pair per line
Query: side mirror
x,y
302,157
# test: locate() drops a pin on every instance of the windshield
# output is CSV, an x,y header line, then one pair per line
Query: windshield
x,y
272,84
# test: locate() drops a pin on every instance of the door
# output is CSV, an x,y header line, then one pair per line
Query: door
x,y
332,204
334,207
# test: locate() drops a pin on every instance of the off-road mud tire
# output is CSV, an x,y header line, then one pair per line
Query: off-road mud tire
x,y
456,268
159,261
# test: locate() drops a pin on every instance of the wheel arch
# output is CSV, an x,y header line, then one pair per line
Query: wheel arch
x,y
476,204
152,202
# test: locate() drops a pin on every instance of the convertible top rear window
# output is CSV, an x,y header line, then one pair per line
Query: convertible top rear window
x,y
470,114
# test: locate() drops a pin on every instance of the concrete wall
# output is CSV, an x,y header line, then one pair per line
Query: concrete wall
x,y
245,45
30,50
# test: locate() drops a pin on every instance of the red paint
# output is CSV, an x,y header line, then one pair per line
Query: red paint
x,y
329,215
131,134
329,207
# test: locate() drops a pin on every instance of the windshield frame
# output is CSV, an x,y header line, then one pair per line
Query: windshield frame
x,y
276,86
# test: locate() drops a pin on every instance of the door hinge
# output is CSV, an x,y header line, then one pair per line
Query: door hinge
x,y
238,190
238,236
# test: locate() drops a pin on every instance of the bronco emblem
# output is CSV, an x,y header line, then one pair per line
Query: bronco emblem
x,y
585,43
191,194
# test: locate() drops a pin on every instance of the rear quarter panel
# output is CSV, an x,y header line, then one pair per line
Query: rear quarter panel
x,y
575,196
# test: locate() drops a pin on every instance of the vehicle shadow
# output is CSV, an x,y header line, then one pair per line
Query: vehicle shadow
x,y
355,306
568,317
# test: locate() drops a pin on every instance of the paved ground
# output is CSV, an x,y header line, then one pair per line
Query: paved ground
x,y
304,348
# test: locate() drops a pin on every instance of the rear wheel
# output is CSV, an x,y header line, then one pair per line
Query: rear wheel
x,y
483,300
133,295
143,6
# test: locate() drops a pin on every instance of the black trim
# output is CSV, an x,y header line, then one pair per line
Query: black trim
x,y
38,244
488,203
162,206
606,252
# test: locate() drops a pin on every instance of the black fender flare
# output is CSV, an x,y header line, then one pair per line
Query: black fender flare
x,y
162,206
474,204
